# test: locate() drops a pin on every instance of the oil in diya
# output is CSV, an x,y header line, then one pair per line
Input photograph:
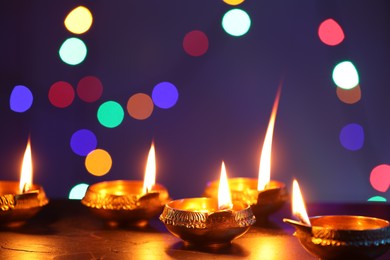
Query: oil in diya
x,y
208,222
265,196
338,236
128,202
20,201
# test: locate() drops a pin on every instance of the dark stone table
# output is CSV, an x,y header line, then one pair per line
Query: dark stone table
x,y
66,229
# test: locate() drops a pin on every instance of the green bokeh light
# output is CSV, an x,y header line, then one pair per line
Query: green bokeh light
x,y
110,114
377,199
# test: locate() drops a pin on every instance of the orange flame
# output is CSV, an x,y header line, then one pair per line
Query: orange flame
x,y
26,173
150,171
265,158
224,196
298,205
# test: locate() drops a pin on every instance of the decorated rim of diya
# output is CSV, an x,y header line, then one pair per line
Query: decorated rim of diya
x,y
123,195
198,221
17,207
348,229
179,213
334,236
12,199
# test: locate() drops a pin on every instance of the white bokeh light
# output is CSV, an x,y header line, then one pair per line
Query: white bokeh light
x,y
345,75
236,22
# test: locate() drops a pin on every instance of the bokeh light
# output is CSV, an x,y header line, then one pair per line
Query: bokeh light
x,y
110,114
165,95
377,199
233,2
73,51
61,94
195,43
330,32
349,96
83,141
380,177
345,75
79,20
98,162
89,89
140,106
21,99
352,137
236,22
78,191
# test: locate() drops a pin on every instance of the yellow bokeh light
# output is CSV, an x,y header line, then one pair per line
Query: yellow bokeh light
x,y
233,2
79,20
98,162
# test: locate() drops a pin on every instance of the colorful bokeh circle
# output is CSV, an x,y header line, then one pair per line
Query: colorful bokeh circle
x,y
377,199
61,94
78,191
236,22
79,20
165,95
349,96
380,177
140,106
21,99
73,51
233,2
83,141
98,162
195,43
352,137
89,89
345,75
330,32
110,114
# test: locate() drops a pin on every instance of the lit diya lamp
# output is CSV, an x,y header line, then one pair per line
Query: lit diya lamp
x,y
129,202
208,222
19,201
265,196
339,236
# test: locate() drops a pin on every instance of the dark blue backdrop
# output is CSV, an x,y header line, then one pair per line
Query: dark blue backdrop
x,y
225,96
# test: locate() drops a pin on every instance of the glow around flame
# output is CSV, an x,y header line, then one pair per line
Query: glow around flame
x,y
26,173
150,171
224,196
265,158
298,205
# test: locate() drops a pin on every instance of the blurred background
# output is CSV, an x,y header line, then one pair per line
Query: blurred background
x,y
94,83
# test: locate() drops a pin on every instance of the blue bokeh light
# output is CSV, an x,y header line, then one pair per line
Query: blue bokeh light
x,y
83,142
21,99
352,137
165,95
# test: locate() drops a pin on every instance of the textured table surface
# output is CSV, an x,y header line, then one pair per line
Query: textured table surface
x,y
66,229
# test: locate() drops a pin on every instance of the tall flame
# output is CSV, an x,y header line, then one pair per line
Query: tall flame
x,y
298,205
26,173
150,171
265,158
224,196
